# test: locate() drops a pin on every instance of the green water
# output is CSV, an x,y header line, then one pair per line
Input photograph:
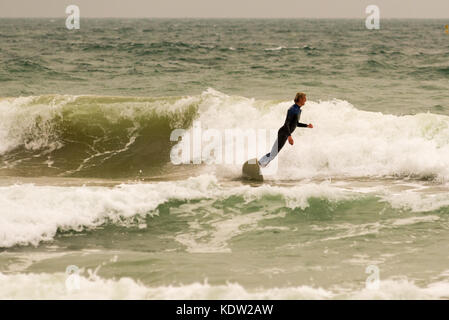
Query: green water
x,y
400,68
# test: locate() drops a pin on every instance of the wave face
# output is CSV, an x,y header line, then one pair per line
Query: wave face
x,y
88,135
91,136
42,211
31,214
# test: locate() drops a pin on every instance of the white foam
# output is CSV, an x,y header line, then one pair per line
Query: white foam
x,y
403,289
280,48
52,286
222,231
416,201
415,220
30,214
349,230
345,141
24,123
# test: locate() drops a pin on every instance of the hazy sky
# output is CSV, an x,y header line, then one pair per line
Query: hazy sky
x,y
227,8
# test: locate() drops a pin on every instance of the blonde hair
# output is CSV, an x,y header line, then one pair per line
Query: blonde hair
x,y
299,95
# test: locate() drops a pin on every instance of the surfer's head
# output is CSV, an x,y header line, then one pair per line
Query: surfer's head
x,y
300,99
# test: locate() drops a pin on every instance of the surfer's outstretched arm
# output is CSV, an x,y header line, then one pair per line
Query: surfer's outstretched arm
x,y
302,125
305,125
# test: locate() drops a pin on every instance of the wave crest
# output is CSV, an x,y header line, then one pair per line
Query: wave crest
x,y
122,136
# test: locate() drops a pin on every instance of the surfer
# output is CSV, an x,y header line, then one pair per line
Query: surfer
x,y
285,132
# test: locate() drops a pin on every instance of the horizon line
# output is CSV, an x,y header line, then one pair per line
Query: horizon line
x,y
266,18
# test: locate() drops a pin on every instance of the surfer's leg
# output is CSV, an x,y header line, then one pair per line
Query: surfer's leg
x,y
277,146
265,160
282,138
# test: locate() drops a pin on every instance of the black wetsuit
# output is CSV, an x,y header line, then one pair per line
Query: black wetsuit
x,y
290,124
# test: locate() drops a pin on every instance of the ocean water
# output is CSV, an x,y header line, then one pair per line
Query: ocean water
x,y
87,182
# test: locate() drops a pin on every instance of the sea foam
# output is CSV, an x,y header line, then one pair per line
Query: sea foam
x,y
53,286
30,214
